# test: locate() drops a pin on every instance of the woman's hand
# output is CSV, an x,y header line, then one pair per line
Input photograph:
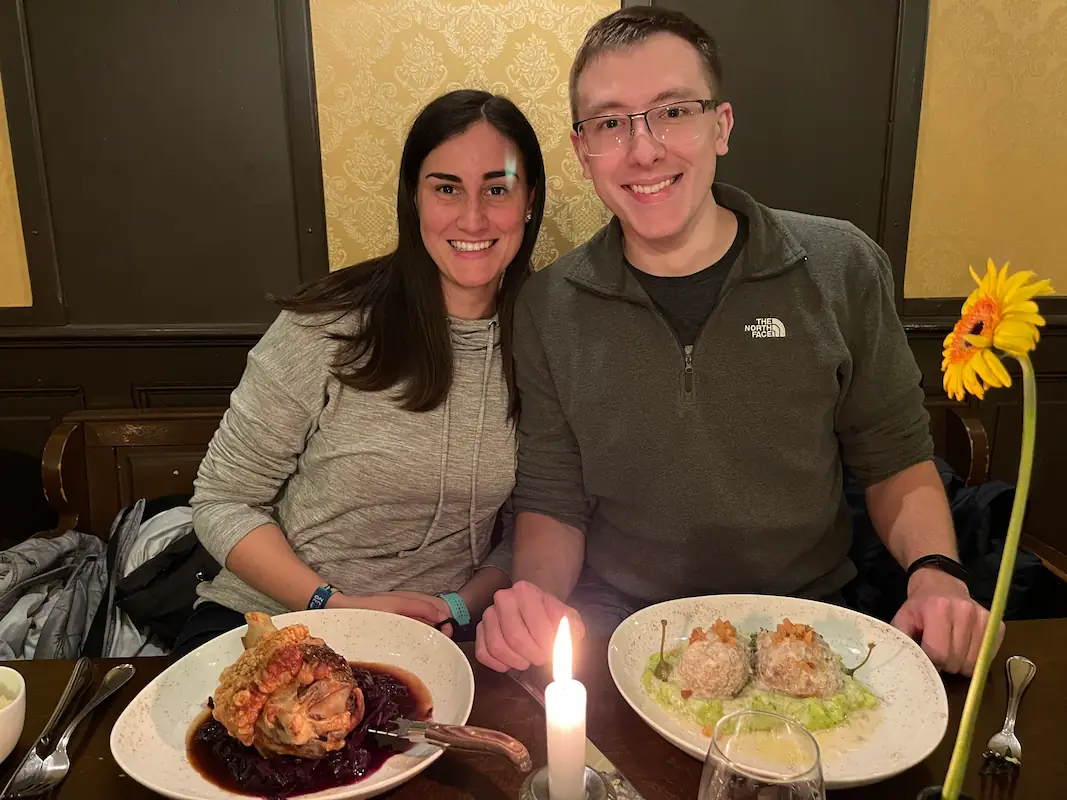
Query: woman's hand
x,y
423,607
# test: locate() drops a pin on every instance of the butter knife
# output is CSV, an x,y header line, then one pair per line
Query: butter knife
x,y
624,790
460,737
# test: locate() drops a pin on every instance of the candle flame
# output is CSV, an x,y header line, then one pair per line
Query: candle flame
x,y
561,652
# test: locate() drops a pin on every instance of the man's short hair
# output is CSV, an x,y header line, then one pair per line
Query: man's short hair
x,y
631,26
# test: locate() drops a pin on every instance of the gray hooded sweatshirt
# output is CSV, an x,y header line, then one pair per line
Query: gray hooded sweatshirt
x,y
371,497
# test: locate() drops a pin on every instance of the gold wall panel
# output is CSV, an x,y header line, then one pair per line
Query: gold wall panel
x,y
992,162
14,272
378,62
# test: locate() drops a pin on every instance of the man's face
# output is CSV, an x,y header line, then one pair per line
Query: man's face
x,y
658,187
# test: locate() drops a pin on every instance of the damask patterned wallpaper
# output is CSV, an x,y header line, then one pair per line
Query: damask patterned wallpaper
x,y
14,274
992,168
377,62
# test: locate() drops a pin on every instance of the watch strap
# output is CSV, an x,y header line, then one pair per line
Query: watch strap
x,y
321,597
458,606
947,565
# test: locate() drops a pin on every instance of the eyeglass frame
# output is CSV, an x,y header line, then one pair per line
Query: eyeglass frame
x,y
575,126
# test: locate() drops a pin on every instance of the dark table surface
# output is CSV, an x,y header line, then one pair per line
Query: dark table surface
x,y
658,770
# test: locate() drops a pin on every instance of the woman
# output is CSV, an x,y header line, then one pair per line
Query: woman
x,y
370,444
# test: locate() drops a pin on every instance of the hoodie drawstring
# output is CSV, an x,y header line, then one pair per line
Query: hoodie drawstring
x,y
478,442
441,487
445,446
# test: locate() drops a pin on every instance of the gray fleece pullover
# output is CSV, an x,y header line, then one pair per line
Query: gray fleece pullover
x,y
717,468
371,497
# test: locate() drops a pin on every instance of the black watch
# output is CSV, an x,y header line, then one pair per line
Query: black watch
x,y
943,563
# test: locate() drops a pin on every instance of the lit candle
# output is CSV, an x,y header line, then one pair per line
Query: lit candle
x,y
565,714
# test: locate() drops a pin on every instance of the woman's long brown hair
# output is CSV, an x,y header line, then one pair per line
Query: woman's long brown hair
x,y
404,335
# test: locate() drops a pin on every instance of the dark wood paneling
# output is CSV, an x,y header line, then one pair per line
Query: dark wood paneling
x,y
1045,515
826,97
97,462
43,378
175,146
180,396
26,410
157,471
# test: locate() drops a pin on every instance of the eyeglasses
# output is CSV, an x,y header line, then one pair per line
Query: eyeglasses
x,y
674,122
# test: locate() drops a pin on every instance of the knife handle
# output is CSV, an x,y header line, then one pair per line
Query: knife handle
x,y
479,740
80,677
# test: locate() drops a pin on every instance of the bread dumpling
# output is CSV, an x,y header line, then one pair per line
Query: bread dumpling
x,y
797,661
715,665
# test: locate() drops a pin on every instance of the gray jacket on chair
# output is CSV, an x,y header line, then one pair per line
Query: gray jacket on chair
x,y
50,590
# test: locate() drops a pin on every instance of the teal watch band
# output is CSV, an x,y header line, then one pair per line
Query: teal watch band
x,y
460,612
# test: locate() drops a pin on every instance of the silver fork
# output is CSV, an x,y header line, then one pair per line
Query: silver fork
x,y
1006,744
81,676
54,769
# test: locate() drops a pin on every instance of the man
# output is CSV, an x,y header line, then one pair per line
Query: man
x,y
694,377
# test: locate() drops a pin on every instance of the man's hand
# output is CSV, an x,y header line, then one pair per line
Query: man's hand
x,y
423,607
519,629
939,609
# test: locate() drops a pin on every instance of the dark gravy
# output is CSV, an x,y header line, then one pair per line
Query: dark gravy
x,y
388,692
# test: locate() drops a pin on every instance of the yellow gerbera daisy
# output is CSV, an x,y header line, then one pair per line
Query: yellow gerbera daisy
x,y
999,316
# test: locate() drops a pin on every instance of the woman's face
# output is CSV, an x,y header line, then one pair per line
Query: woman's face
x,y
473,200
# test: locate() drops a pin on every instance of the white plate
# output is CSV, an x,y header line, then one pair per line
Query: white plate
x,y
148,740
913,711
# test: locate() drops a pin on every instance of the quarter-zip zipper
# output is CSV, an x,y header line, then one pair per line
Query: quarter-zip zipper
x,y
687,350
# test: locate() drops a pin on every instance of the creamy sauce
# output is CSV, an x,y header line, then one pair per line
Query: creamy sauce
x,y
851,734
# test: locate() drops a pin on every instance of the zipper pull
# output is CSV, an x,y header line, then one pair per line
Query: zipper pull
x,y
688,368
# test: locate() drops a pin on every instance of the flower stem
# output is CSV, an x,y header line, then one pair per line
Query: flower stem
x,y
958,765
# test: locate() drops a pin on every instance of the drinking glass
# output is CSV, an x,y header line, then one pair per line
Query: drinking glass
x,y
757,755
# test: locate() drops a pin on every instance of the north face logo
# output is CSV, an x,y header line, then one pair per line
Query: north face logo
x,y
766,328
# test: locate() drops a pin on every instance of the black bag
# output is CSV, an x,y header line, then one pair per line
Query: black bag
x,y
159,594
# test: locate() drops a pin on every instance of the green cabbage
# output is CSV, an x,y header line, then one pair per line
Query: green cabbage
x,y
811,712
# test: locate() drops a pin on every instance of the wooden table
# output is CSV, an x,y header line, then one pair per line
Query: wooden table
x,y
657,769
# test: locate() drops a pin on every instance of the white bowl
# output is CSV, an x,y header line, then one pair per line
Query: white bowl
x,y
149,738
913,708
13,715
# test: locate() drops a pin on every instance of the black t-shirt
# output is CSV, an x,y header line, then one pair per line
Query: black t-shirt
x,y
687,301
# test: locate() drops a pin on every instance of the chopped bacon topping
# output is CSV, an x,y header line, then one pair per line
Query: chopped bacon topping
x,y
722,630
726,632
789,630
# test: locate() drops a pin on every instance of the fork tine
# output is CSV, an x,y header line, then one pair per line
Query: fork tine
x,y
31,789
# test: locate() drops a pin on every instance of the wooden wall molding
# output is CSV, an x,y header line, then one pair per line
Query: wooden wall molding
x,y
181,395
125,335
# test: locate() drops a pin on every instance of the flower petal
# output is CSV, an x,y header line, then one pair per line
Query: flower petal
x,y
1032,290
972,384
1002,279
1023,319
1000,376
1023,307
983,370
953,382
1016,347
